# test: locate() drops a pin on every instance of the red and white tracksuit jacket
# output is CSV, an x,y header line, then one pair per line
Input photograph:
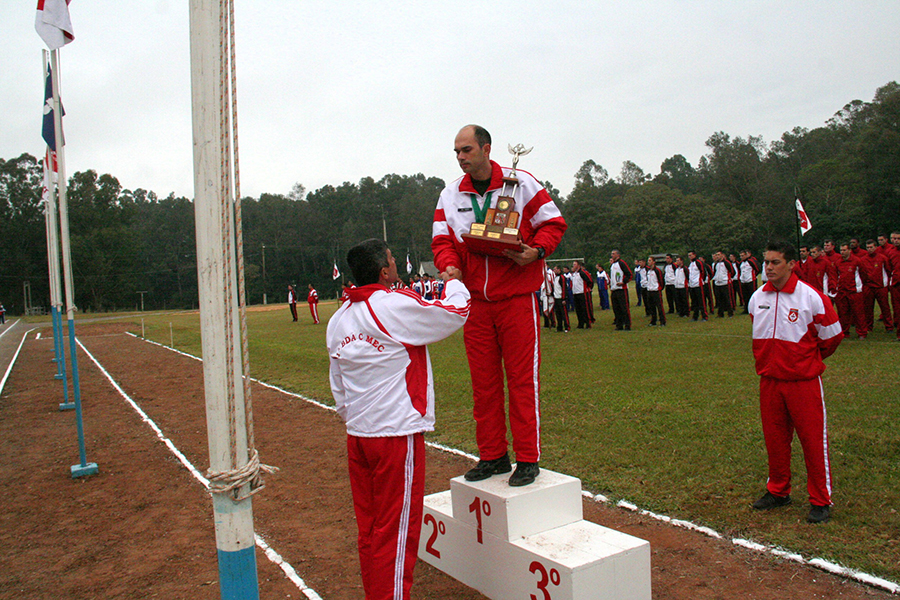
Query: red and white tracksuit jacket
x,y
313,300
383,388
849,298
793,330
503,329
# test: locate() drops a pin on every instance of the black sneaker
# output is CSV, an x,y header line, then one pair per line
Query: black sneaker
x,y
818,514
769,501
486,468
525,473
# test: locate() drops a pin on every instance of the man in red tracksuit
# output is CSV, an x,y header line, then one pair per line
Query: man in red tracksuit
x,y
819,271
895,278
877,269
313,299
849,299
794,328
502,333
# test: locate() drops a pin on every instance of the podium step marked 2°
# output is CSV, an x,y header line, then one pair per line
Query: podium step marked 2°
x,y
531,542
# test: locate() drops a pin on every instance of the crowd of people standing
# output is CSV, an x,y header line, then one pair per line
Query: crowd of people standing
x,y
855,276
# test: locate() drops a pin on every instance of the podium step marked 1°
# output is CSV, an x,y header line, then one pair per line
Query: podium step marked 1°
x,y
530,543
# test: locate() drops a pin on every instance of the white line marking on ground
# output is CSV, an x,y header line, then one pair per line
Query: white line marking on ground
x,y
13,361
11,325
273,556
819,563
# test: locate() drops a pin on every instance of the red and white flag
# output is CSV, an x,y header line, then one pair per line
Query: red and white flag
x,y
408,265
49,167
53,23
802,219
335,273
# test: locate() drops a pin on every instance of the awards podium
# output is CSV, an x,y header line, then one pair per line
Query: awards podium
x,y
516,543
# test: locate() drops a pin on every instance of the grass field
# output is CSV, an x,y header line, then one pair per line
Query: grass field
x,y
666,418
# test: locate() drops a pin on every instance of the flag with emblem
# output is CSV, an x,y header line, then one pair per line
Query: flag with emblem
x,y
48,130
335,273
802,219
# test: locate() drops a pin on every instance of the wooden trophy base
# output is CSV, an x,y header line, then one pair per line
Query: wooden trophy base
x,y
492,243
499,231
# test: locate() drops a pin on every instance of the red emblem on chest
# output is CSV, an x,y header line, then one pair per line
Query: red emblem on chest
x,y
793,315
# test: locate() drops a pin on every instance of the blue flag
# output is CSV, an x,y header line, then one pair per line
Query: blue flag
x,y
49,130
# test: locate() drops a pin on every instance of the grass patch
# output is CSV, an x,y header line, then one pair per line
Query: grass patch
x,y
667,418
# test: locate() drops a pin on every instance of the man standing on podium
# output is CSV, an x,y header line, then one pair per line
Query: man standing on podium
x,y
503,329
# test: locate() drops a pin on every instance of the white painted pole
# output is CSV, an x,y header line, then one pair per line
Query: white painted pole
x,y
84,468
50,215
219,317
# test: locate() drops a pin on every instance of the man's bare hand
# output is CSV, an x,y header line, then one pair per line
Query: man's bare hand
x,y
451,273
526,255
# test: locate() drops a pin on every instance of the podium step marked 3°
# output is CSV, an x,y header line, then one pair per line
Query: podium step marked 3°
x,y
530,542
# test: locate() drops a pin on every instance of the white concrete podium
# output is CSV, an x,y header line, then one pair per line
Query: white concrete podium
x,y
531,542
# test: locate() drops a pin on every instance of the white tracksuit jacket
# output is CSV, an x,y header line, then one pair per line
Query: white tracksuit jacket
x,y
379,365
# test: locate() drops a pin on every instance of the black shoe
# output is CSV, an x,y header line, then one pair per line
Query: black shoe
x,y
525,473
486,468
769,501
818,514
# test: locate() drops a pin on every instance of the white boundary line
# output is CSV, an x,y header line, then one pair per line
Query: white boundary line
x,y
818,563
11,325
271,554
15,356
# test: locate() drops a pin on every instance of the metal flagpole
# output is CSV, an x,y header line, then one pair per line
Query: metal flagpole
x,y
83,468
53,265
226,416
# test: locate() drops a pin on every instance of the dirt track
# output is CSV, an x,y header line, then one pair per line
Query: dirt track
x,y
142,527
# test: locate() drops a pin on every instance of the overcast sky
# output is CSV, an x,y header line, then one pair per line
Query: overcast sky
x,y
335,91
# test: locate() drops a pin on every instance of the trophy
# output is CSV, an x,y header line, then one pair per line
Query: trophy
x,y
500,230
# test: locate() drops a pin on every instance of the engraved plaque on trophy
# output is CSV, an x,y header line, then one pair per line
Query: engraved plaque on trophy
x,y
500,230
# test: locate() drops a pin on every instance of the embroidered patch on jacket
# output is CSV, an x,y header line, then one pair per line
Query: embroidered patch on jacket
x,y
793,315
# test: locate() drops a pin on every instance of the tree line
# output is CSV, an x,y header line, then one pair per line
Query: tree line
x,y
129,245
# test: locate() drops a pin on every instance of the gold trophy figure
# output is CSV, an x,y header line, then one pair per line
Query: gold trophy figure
x,y
500,230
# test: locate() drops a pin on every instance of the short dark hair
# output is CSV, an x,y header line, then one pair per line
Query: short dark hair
x,y
873,242
366,259
783,248
481,135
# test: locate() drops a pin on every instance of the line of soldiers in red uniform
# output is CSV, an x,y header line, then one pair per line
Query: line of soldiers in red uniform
x,y
857,277
854,276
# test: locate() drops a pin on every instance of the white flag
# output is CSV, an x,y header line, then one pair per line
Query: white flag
x,y
408,265
53,23
335,273
802,219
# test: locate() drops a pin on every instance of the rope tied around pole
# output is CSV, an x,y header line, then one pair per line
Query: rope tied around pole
x,y
235,479
232,481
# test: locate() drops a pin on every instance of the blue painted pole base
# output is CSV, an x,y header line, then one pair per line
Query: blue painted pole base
x,y
237,574
66,406
84,470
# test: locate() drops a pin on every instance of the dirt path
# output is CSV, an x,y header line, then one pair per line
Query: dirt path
x,y
142,527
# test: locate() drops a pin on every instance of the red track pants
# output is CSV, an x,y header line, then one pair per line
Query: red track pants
x,y
314,311
851,311
785,407
387,477
505,336
881,295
